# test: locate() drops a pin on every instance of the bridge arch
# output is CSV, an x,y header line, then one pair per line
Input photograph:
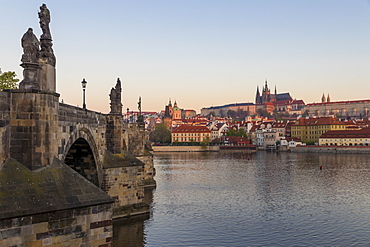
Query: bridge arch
x,y
81,154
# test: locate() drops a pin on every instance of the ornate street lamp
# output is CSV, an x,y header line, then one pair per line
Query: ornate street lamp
x,y
84,88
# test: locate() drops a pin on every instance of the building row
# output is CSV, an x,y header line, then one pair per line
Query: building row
x,y
272,103
269,134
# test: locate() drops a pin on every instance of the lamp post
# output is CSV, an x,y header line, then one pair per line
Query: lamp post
x,y
84,88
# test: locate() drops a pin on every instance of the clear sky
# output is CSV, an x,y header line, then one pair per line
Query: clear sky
x,y
200,53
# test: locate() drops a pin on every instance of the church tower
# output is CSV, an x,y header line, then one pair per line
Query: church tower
x,y
167,120
176,112
265,94
323,99
258,96
328,98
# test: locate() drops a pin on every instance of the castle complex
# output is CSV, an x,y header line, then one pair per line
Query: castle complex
x,y
265,102
267,97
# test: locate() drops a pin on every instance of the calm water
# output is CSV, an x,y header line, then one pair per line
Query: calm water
x,y
262,199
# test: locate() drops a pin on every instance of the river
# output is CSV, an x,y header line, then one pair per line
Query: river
x,y
260,199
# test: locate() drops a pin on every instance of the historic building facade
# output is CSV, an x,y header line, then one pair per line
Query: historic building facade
x,y
359,137
310,129
340,109
189,133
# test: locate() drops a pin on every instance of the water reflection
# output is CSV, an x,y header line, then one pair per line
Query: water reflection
x,y
130,231
238,199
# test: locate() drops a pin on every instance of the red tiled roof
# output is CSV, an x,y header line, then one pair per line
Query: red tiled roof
x,y
362,133
318,121
191,129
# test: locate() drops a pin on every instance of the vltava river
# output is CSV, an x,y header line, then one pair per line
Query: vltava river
x,y
262,199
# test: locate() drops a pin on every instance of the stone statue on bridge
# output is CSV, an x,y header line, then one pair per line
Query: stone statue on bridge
x,y
46,54
31,47
44,16
115,99
140,118
30,57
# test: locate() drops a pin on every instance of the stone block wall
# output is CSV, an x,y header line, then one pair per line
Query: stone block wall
x,y
124,182
124,185
4,126
86,226
72,119
74,123
33,127
114,133
149,170
135,139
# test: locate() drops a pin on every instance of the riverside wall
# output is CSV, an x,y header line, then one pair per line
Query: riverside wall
x,y
185,149
332,149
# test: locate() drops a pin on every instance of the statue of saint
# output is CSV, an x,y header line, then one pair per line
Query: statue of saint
x,y
44,16
115,98
139,105
30,45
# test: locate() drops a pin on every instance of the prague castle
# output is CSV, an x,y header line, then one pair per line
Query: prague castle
x,y
267,97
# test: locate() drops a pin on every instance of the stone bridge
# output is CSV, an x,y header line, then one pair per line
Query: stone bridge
x,y
41,139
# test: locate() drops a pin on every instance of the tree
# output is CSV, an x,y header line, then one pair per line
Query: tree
x,y
241,114
305,114
161,134
205,142
233,132
231,113
8,80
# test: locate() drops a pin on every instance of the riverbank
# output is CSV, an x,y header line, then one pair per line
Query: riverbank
x,y
185,149
332,149
248,149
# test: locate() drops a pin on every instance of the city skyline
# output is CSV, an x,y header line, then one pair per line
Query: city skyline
x,y
199,53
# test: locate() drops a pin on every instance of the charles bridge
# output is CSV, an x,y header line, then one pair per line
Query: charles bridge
x,y
65,172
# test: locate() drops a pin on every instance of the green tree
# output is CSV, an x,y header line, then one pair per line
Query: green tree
x,y
161,134
305,113
231,113
233,132
8,80
205,142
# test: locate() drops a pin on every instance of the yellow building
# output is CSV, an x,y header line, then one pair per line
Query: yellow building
x,y
189,133
310,129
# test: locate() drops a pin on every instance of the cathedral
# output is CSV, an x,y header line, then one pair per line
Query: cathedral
x,y
268,97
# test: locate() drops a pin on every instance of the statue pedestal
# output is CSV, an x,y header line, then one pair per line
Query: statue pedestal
x,y
31,76
47,78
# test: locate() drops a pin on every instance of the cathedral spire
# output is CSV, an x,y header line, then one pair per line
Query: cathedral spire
x,y
328,98
258,96
275,90
266,87
323,99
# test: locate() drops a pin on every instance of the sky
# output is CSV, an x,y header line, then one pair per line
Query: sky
x,y
199,53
